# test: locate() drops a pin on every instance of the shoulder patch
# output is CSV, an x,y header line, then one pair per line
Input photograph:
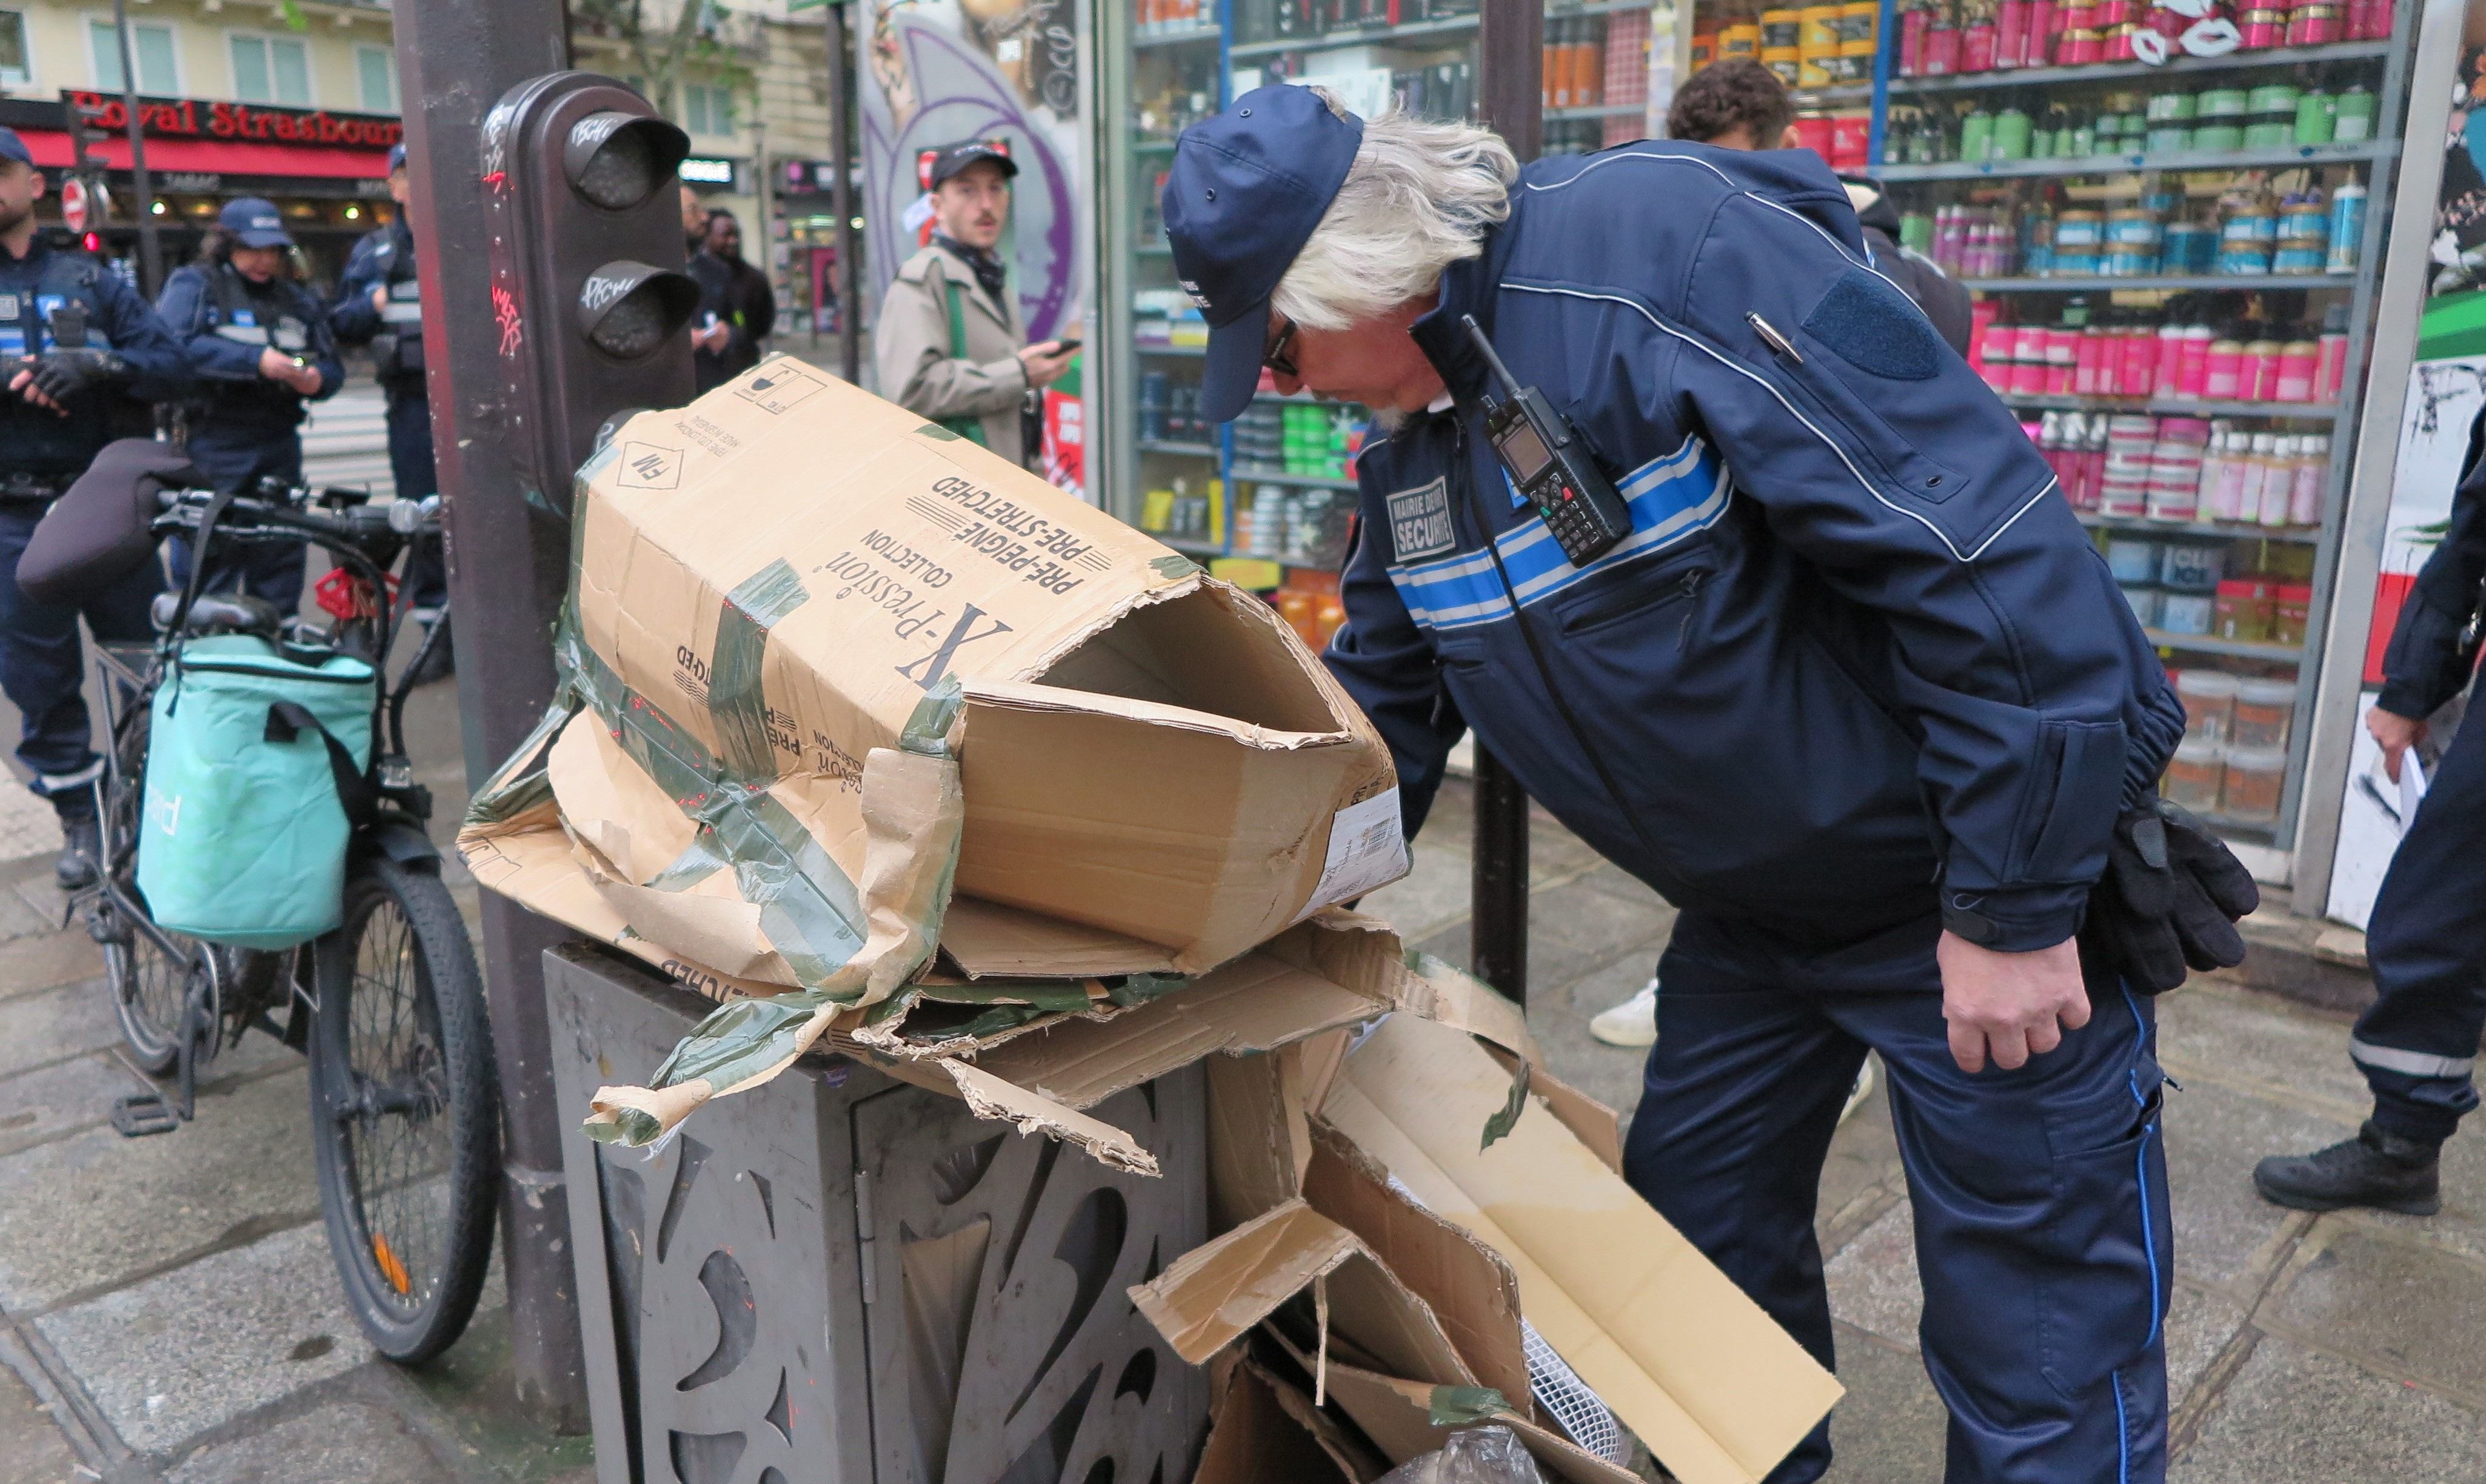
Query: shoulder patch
x,y
1873,326
1419,521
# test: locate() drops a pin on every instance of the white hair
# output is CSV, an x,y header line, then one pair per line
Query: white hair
x,y
1419,197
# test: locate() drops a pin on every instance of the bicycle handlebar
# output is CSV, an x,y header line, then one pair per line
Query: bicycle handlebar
x,y
354,523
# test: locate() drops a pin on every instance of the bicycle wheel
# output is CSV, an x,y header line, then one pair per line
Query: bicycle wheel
x,y
404,1116
149,986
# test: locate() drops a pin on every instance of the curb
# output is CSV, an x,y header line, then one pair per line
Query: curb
x,y
2315,963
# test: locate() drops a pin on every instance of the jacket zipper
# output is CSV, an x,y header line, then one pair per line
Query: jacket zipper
x,y
1692,581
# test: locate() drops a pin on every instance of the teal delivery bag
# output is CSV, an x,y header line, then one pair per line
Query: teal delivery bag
x,y
242,839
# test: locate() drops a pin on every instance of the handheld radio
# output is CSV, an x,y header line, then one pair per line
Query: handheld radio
x,y
1549,465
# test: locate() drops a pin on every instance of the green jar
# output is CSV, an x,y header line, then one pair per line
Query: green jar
x,y
2352,116
2013,133
2317,116
2217,138
1977,136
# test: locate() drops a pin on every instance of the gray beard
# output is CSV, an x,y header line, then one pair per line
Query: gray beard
x,y
1389,422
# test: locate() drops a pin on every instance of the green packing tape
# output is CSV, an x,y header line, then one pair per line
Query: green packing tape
x,y
807,908
736,699
1465,1406
740,1040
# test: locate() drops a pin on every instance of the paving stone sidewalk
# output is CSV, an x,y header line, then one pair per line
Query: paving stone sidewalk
x,y
2342,1349
168,1311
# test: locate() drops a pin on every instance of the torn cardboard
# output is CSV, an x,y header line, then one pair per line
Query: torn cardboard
x,y
1144,751
1041,1072
1266,1430
1211,1295
1715,1388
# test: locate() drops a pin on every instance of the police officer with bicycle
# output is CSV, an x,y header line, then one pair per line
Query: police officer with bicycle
x,y
261,348
381,305
80,352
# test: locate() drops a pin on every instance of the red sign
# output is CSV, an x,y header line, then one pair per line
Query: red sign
x,y
73,204
190,118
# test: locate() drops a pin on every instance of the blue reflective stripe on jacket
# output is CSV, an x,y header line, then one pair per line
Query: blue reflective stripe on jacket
x,y
1856,648
36,440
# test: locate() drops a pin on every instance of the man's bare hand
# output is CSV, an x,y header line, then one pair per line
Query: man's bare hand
x,y
2396,733
22,384
380,297
276,366
2009,1006
1045,361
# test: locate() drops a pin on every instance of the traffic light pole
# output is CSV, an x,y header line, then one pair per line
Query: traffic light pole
x,y
508,569
151,250
1509,90
841,77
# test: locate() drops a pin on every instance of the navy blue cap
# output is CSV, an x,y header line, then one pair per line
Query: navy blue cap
x,y
396,158
254,221
12,148
1246,188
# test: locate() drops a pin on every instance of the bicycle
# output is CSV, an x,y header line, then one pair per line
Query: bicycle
x,y
388,1007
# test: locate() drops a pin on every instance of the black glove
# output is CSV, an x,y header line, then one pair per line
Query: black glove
x,y
2169,900
61,374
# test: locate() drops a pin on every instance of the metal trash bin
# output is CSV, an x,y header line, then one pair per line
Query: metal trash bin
x,y
839,1277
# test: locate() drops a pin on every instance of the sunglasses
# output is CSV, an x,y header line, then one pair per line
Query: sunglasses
x,y
1280,357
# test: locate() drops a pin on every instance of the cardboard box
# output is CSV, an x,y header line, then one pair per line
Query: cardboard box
x,y
1386,1171
776,582
1059,1048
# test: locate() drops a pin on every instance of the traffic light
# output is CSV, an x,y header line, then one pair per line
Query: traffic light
x,y
589,297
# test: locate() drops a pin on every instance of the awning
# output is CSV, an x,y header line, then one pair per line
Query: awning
x,y
52,151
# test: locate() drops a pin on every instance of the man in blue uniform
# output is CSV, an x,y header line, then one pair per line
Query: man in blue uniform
x,y
77,346
381,305
1855,692
2417,1043
261,348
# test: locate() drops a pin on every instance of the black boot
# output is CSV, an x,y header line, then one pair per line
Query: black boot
x,y
2374,1168
81,845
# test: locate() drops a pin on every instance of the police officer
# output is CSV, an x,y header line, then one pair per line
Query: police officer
x,y
1855,692
380,305
261,348
77,344
2417,1043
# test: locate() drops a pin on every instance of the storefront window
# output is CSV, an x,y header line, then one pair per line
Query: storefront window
x,y
271,69
153,47
376,69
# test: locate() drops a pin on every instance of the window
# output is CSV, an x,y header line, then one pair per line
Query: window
x,y
376,67
271,69
12,48
153,47
707,110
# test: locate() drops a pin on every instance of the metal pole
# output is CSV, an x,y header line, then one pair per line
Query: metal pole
x,y
1498,883
150,251
842,193
508,567
1511,66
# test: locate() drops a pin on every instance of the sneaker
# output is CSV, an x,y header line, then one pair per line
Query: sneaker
x,y
1632,1022
2374,1168
81,842
1857,1094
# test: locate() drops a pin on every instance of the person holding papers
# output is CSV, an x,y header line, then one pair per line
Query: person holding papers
x,y
2417,1044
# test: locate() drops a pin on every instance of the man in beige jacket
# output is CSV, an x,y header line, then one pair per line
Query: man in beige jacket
x,y
949,343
